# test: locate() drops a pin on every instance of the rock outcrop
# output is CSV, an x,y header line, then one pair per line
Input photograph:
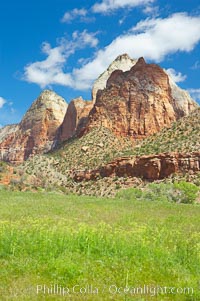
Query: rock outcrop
x,y
182,98
37,131
139,102
152,167
75,119
122,62
131,98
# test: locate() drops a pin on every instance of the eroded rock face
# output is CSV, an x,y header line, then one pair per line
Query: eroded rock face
x,y
122,62
8,130
37,131
78,110
139,102
152,167
75,119
183,100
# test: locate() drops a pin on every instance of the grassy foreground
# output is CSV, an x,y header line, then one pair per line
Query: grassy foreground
x,y
103,245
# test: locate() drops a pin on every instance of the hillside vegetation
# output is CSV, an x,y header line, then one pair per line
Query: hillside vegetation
x,y
100,146
183,136
96,148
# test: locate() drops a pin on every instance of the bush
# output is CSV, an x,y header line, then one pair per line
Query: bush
x,y
178,192
188,192
159,192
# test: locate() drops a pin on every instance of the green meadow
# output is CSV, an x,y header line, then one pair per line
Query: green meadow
x,y
97,248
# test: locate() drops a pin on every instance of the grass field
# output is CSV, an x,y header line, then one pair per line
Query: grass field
x,y
109,244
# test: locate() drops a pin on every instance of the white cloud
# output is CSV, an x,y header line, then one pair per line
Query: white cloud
x,y
176,76
107,6
50,71
153,39
85,39
2,102
69,16
195,93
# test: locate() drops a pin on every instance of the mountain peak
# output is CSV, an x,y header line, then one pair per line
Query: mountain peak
x,y
123,56
50,98
122,62
141,61
37,131
139,102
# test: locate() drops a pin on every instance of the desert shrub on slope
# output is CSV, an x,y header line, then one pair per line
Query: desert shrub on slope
x,y
183,136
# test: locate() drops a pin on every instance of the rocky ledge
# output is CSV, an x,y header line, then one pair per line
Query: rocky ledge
x,y
152,167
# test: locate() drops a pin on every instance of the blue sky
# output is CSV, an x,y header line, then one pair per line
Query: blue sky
x,y
64,45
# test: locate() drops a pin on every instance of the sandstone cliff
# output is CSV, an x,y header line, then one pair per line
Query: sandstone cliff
x,y
182,98
37,131
182,137
139,102
122,62
75,119
135,103
114,162
152,167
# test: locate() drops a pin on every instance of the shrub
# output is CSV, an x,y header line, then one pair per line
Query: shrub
x,y
178,192
159,192
188,192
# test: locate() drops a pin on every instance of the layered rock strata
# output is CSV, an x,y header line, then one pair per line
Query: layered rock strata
x,y
152,167
78,110
75,119
122,62
37,132
139,102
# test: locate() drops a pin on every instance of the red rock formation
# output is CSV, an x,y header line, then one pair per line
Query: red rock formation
x,y
139,102
122,62
6,176
135,103
151,167
76,118
37,131
78,110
